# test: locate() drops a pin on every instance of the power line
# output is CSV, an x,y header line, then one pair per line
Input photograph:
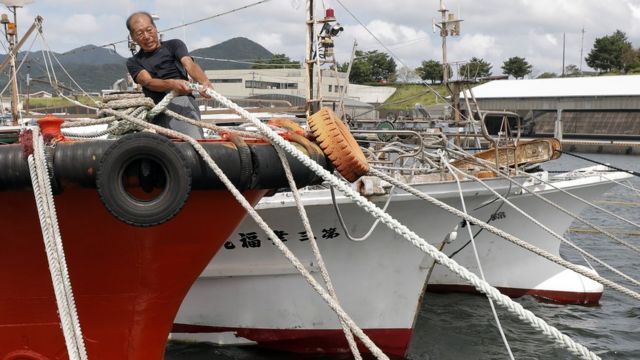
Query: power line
x,y
113,44
217,15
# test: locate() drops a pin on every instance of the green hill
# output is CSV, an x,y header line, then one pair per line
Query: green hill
x,y
240,49
407,95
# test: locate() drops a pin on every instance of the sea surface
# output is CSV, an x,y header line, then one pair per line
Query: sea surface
x,y
461,326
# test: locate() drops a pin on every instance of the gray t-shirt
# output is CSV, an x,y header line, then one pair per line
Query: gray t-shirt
x,y
162,63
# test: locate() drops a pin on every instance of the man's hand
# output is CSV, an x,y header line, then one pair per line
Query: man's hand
x,y
180,86
206,86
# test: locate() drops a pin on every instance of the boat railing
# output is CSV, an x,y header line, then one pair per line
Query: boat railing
x,y
498,141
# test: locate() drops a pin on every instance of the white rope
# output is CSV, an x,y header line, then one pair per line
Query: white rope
x,y
55,253
344,226
596,206
402,230
511,238
475,253
316,250
637,191
570,213
630,187
545,228
256,217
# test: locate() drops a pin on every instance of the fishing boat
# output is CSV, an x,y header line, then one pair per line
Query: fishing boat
x,y
379,278
102,238
129,213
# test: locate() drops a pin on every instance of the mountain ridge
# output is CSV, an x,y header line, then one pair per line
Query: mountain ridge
x,y
95,68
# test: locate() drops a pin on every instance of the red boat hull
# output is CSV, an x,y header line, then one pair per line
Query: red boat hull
x,y
393,342
128,281
551,296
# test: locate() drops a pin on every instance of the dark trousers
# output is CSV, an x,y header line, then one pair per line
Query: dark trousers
x,y
187,107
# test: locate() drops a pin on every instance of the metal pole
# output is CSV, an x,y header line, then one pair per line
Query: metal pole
x,y
14,80
563,52
309,58
581,50
443,35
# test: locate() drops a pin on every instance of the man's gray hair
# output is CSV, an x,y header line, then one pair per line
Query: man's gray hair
x,y
136,14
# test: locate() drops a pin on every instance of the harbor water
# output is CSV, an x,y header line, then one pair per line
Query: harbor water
x,y
461,326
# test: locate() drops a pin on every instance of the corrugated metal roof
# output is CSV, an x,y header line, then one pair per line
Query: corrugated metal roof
x,y
626,85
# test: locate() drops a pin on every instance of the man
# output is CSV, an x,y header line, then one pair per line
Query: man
x,y
164,66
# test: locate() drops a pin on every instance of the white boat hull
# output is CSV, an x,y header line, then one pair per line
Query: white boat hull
x,y
252,289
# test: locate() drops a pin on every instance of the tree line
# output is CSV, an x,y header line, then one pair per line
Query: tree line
x,y
610,54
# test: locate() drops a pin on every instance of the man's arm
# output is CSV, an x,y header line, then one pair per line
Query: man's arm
x,y
180,86
195,71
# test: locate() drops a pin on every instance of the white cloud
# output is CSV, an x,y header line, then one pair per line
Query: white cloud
x,y
77,24
492,30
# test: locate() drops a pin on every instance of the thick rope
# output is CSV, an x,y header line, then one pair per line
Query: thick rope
x,y
316,250
523,244
490,166
402,230
599,207
546,228
475,253
538,323
256,217
55,253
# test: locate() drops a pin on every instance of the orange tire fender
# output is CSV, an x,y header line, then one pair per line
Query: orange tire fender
x,y
338,144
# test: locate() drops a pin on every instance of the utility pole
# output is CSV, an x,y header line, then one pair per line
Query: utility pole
x,y
563,52
449,26
581,49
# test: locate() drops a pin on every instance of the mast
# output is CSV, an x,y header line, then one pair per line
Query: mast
x,y
449,26
309,62
443,36
11,31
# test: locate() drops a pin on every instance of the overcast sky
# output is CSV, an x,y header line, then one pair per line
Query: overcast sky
x,y
493,30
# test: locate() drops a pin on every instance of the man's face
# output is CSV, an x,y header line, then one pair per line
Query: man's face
x,y
144,33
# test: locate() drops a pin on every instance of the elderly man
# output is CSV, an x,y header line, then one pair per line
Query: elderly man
x,y
162,66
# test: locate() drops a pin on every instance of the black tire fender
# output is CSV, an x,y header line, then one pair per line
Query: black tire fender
x,y
155,160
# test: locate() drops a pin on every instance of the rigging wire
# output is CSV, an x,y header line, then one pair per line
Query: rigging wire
x,y
19,66
634,173
49,52
396,56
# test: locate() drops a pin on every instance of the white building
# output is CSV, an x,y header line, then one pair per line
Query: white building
x,y
253,82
